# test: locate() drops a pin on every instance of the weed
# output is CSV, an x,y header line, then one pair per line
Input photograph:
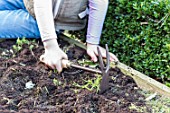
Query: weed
x,y
21,42
56,82
92,84
55,71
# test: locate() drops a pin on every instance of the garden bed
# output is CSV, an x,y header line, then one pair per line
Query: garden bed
x,y
61,93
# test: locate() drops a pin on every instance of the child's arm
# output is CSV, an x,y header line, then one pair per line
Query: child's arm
x,y
45,19
97,14
44,16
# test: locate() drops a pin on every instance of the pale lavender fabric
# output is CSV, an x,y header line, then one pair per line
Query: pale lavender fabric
x,y
97,14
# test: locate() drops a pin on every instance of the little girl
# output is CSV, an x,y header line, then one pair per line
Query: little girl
x,y
42,18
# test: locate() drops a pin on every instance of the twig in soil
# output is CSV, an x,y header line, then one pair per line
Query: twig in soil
x,y
73,73
151,97
114,78
76,101
9,101
46,90
32,53
22,64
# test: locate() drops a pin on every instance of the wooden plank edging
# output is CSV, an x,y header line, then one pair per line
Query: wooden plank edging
x,y
144,82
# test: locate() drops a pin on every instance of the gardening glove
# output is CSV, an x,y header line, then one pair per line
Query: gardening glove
x,y
93,53
53,55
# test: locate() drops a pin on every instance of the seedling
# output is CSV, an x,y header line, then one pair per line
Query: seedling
x,y
56,82
91,84
55,71
21,42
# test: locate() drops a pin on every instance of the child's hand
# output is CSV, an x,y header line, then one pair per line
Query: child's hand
x,y
93,53
53,55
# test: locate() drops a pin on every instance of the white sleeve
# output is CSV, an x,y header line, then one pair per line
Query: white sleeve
x,y
45,19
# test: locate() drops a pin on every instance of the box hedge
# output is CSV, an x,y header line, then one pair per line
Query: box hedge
x,y
138,32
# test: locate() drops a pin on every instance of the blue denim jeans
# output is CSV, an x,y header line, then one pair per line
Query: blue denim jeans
x,y
15,21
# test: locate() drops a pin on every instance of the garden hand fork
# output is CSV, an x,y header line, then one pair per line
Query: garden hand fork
x,y
104,84
104,70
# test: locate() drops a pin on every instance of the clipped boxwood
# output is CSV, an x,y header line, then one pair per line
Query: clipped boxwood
x,y
138,32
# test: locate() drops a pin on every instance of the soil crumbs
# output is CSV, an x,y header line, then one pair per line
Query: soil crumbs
x,y
57,93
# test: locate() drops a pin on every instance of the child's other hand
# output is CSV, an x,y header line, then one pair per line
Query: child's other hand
x,y
93,53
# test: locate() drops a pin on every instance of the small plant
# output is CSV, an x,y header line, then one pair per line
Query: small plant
x,y
91,85
55,71
21,42
56,82
89,63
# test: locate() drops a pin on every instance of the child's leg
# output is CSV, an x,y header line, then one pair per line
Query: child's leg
x,y
15,21
11,4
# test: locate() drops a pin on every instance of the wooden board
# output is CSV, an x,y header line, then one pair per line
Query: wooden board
x,y
143,81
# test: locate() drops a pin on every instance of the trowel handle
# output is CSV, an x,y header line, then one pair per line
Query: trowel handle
x,y
67,63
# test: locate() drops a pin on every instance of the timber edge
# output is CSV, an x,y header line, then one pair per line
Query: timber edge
x,y
143,81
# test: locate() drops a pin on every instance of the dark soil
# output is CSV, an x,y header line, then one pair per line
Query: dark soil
x,y
16,71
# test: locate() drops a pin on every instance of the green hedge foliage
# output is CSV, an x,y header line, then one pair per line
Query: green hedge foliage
x,y
138,32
